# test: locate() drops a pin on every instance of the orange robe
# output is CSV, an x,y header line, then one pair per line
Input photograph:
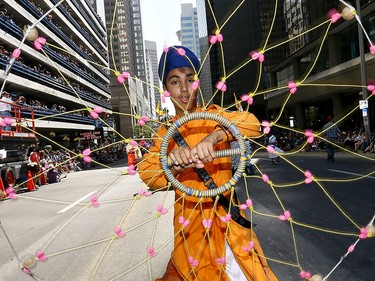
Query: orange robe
x,y
193,241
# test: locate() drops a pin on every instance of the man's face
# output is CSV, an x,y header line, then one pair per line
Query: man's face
x,y
179,84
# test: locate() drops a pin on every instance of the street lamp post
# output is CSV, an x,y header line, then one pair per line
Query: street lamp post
x,y
365,113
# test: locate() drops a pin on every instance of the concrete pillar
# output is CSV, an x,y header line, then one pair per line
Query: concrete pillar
x,y
300,116
338,108
334,50
296,68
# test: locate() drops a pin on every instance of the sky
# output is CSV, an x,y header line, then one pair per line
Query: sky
x,y
160,20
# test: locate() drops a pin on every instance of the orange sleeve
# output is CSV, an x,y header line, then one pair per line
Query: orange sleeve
x,y
149,167
245,121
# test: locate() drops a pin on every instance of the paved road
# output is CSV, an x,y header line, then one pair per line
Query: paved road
x,y
56,218
340,185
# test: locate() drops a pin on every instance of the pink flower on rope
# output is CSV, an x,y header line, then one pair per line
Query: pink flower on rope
x,y
151,251
193,262
16,53
94,115
119,232
292,87
226,218
11,193
142,121
181,51
215,38
39,42
221,260
270,149
94,201
363,233
257,56
265,178
371,88
207,223
183,221
86,156
220,85
310,136
305,274
120,77
133,143
195,84
334,15
144,192
7,120
87,159
161,210
285,216
41,256
132,170
248,247
248,204
247,98
164,95
266,126
372,49
351,248
125,74
86,152
309,177
98,109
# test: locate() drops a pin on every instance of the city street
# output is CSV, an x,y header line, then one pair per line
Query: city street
x,y
79,240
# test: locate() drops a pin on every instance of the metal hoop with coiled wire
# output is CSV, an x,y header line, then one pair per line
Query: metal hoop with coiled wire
x,y
165,162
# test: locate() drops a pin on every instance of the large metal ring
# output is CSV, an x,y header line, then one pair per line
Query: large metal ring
x,y
223,153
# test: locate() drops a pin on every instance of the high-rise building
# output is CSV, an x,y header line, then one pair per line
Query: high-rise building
x,y
126,53
337,62
189,34
60,82
151,58
242,34
206,86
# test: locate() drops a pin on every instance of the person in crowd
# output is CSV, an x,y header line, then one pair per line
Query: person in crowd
x,y
52,175
6,107
360,141
274,156
33,164
371,146
332,133
202,251
134,153
349,139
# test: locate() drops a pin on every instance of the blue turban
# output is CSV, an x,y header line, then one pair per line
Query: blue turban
x,y
172,59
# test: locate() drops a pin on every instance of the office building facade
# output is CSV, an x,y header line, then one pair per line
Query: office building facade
x,y
59,82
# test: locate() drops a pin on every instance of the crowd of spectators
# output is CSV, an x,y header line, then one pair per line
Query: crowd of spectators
x,y
42,106
42,70
357,141
68,11
58,163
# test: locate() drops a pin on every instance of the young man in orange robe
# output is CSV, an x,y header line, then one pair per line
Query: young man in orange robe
x,y
207,248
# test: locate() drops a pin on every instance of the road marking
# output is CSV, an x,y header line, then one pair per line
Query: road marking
x,y
349,173
67,208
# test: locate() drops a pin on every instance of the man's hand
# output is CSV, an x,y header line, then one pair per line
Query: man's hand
x,y
203,152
